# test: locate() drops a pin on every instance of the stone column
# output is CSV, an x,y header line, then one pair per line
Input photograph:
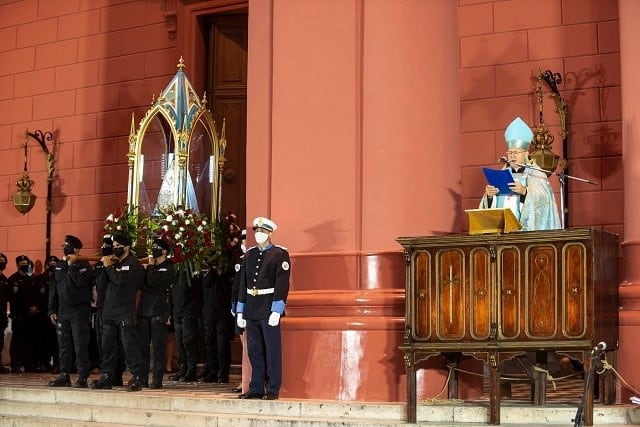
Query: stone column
x,y
352,141
629,353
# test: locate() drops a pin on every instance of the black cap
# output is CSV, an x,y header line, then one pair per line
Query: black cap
x,y
73,241
107,240
163,244
123,239
20,258
52,258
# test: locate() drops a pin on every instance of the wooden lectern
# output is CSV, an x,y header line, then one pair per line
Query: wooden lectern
x,y
495,297
492,221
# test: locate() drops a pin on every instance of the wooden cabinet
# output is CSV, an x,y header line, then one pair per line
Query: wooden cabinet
x,y
497,296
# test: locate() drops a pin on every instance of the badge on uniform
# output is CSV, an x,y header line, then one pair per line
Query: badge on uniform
x,y
285,265
125,268
237,267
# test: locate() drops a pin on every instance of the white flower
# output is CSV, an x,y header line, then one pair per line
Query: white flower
x,y
165,227
200,228
178,236
118,227
110,217
174,222
180,212
169,218
187,222
204,222
181,228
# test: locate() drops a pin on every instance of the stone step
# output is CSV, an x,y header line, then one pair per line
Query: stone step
x,y
183,407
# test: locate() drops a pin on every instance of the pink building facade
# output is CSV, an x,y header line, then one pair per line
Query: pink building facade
x,y
366,120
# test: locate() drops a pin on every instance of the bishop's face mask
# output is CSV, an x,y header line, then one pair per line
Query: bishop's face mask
x,y
261,237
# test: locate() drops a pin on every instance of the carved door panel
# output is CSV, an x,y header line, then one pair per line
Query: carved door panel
x,y
510,291
451,294
422,299
481,294
541,293
575,290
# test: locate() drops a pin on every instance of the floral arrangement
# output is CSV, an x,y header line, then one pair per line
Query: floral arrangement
x,y
226,251
189,236
123,221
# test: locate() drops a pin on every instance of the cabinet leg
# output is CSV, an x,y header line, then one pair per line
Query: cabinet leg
x,y
494,393
410,369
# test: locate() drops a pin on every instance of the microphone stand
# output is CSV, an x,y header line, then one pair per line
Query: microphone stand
x,y
562,177
595,364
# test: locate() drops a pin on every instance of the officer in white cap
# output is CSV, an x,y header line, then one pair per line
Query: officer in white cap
x,y
531,197
262,294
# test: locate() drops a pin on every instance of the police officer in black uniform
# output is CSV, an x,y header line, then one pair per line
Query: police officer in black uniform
x,y
154,311
4,298
186,304
121,277
262,295
20,284
70,311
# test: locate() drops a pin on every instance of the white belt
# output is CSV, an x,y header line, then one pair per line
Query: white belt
x,y
255,291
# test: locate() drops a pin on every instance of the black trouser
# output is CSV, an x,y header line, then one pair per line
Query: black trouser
x,y
153,331
186,327
97,326
264,347
123,327
218,333
73,335
18,346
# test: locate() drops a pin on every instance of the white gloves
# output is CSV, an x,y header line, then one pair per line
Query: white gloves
x,y
274,318
240,321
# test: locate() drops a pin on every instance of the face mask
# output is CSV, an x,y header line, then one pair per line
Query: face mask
x,y
118,251
24,268
261,237
68,250
52,268
107,250
3,265
156,252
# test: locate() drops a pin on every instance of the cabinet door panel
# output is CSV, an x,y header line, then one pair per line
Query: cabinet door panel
x,y
450,294
422,298
510,278
480,293
574,290
542,293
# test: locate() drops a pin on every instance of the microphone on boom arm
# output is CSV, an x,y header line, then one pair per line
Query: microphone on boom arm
x,y
503,160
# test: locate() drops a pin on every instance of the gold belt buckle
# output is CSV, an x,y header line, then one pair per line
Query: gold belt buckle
x,y
253,291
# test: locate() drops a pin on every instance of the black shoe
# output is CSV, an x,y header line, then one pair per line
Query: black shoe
x,y
134,384
80,382
251,395
4,370
103,383
174,377
209,378
270,396
236,389
155,384
189,378
62,381
145,382
117,382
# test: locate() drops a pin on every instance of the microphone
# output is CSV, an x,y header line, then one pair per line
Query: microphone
x,y
503,160
602,346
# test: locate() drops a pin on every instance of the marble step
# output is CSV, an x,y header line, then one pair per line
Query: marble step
x,y
175,407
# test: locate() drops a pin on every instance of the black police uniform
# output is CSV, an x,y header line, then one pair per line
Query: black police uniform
x,y
186,305
121,282
218,324
153,312
21,347
264,282
70,300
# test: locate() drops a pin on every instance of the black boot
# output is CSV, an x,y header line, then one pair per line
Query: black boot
x,y
104,382
190,376
156,382
134,384
62,381
80,382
